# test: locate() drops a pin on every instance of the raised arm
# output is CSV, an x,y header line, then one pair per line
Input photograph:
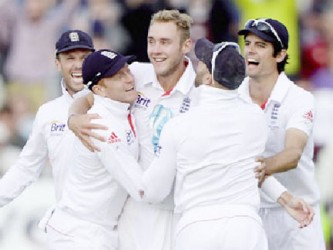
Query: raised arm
x,y
80,122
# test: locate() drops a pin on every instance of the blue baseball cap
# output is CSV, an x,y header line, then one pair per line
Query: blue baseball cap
x,y
229,65
268,29
102,64
74,39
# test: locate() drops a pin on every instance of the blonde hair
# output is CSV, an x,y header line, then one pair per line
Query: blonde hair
x,y
183,21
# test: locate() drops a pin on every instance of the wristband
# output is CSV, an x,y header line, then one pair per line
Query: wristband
x,y
273,188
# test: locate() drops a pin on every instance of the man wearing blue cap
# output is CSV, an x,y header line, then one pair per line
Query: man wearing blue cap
x,y
97,188
50,140
289,113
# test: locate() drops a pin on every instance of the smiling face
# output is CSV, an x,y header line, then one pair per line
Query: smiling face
x,y
69,65
119,87
166,50
259,59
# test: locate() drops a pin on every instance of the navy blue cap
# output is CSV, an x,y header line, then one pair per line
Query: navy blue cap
x,y
74,39
229,68
279,34
101,64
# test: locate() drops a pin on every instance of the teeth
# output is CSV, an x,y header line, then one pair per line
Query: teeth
x,y
252,61
77,74
159,59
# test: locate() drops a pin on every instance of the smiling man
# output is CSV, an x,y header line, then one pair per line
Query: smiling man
x,y
50,140
96,188
289,113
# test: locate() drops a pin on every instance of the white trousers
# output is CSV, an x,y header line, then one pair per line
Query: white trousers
x,y
283,231
235,233
145,227
67,232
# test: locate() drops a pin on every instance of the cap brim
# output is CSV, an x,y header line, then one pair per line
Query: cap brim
x,y
74,47
113,70
204,50
258,33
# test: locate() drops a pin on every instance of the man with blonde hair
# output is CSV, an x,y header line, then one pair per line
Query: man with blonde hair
x,y
165,89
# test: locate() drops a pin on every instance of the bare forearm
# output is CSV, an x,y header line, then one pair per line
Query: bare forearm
x,y
283,161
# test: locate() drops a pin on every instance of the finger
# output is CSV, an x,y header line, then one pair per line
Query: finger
x,y
93,116
90,145
97,126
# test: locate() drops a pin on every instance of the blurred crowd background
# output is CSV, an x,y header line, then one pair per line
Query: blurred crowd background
x,y
28,76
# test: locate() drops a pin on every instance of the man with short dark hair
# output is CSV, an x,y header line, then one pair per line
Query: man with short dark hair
x,y
289,112
50,140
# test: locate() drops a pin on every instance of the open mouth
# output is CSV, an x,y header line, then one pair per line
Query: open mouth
x,y
252,62
76,74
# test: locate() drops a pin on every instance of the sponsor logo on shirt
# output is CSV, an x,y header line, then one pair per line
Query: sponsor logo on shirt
x,y
185,106
113,138
130,137
142,101
57,128
309,116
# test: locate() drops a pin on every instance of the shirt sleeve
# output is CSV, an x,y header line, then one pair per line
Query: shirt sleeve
x,y
158,179
121,164
303,116
28,167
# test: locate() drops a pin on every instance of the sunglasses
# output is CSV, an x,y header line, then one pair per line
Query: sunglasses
x,y
263,26
218,48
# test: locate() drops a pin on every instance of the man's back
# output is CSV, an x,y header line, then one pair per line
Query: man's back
x,y
231,133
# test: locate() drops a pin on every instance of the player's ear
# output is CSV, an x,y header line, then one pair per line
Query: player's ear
x,y
57,63
187,46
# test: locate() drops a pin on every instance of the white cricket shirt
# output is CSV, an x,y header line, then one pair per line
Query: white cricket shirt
x,y
212,151
97,187
290,106
51,142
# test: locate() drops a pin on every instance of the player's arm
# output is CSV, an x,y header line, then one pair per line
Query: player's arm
x,y
81,123
158,179
119,161
295,141
294,206
28,167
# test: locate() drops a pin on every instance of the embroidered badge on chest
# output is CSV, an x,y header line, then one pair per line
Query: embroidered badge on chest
x,y
185,106
274,115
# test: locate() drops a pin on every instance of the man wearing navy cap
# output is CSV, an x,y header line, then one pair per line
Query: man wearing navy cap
x,y
289,113
211,150
50,141
96,188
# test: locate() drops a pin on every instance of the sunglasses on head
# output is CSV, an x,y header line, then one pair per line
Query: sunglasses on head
x,y
218,48
262,25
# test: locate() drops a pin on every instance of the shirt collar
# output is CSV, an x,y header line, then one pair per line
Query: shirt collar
x,y
82,92
278,93
185,83
280,88
114,107
212,94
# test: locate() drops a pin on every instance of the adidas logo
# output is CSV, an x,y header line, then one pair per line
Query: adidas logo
x,y
308,116
113,138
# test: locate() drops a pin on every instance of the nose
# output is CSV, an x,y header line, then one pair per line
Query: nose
x,y
78,63
154,48
129,77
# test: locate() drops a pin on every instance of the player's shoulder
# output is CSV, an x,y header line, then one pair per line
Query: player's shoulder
x,y
52,106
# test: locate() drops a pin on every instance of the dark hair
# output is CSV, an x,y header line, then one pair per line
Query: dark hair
x,y
277,49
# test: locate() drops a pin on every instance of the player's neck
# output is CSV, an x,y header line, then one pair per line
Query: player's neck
x,y
169,81
261,88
